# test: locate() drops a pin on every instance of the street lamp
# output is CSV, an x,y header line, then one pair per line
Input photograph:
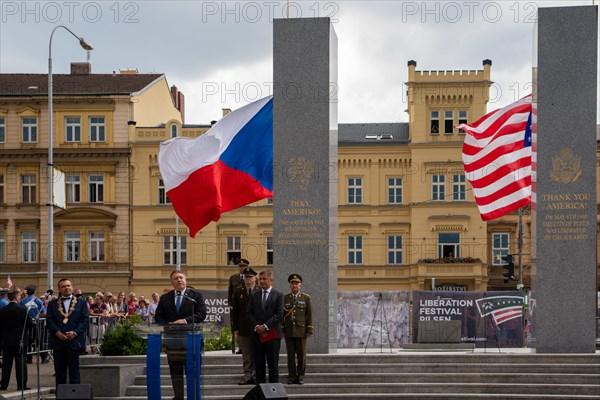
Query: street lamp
x,y
86,46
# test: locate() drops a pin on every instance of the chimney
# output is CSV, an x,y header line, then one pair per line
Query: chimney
x,y
81,68
178,101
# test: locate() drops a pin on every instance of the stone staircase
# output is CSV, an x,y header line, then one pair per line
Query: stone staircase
x,y
461,375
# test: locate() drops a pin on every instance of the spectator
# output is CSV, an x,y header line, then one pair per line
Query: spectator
x,y
121,305
99,307
90,302
152,307
143,311
36,308
3,300
77,293
132,304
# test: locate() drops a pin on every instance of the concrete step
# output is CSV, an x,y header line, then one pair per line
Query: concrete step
x,y
395,388
560,378
368,368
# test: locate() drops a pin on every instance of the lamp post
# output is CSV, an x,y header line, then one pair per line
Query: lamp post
x,y
86,46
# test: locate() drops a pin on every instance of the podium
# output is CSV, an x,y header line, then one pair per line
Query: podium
x,y
183,344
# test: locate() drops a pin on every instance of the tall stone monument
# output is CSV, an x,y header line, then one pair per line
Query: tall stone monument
x,y
305,166
564,270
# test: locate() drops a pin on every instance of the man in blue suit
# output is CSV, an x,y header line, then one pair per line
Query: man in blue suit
x,y
182,305
265,313
67,321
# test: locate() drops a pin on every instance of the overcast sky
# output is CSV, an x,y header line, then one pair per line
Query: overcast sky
x,y
219,54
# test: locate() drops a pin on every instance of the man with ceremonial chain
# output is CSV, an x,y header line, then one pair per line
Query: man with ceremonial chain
x,y
67,321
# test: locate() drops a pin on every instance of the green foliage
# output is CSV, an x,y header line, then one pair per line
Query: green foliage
x,y
122,340
223,342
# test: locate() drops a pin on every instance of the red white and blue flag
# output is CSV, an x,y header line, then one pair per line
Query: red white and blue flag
x,y
226,168
502,308
497,159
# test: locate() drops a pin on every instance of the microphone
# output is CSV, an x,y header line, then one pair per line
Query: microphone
x,y
185,296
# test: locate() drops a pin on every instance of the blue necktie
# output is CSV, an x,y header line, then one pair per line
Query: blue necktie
x,y
178,302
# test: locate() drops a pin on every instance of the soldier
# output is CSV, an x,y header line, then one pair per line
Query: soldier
x,y
240,325
297,327
235,281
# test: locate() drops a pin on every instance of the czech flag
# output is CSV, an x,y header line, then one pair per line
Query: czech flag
x,y
228,167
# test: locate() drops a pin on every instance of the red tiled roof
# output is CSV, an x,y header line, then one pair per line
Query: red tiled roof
x,y
65,84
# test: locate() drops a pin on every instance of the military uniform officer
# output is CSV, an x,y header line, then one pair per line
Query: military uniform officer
x,y
297,327
236,281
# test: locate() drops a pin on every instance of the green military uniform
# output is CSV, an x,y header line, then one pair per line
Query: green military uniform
x,y
297,325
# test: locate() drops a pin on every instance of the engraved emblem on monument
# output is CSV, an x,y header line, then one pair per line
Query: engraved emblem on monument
x,y
300,170
566,166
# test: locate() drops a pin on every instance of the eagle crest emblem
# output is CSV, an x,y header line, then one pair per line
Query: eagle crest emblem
x,y
300,170
566,166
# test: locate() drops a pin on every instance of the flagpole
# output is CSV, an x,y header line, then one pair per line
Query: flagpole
x,y
520,244
178,240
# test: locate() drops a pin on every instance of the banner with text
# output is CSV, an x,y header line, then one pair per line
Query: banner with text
x,y
492,317
217,307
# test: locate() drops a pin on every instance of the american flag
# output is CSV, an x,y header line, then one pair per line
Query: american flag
x,y
502,308
497,158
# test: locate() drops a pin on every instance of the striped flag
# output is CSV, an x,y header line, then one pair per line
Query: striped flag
x,y
228,167
497,158
502,308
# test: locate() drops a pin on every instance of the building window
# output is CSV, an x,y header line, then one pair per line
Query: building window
x,y
162,193
458,187
269,250
72,247
462,119
449,245
448,122
394,250
438,189
73,129
500,247
173,130
355,250
96,188
28,189
434,124
97,129
28,247
97,247
1,247
170,250
29,129
269,201
394,190
1,189
73,187
2,129
234,249
354,190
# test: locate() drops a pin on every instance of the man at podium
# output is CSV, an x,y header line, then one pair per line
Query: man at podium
x,y
181,305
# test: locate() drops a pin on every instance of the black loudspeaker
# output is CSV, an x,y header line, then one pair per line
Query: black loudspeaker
x,y
81,391
264,391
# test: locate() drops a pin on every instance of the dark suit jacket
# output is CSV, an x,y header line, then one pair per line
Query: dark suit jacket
x,y
77,322
272,314
13,318
239,316
166,312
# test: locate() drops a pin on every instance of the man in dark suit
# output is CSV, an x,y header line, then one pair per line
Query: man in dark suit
x,y
240,325
265,312
14,320
181,305
67,320
236,281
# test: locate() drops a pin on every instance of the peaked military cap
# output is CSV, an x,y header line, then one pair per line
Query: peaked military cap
x,y
243,262
249,272
294,278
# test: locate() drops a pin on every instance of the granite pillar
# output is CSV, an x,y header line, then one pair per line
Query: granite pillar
x,y
305,166
564,270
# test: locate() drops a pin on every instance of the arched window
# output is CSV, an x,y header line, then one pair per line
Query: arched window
x,y
174,130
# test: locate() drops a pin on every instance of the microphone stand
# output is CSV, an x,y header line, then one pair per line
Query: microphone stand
x,y
185,296
23,359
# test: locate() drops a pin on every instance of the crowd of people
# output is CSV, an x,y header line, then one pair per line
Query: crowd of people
x,y
260,316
